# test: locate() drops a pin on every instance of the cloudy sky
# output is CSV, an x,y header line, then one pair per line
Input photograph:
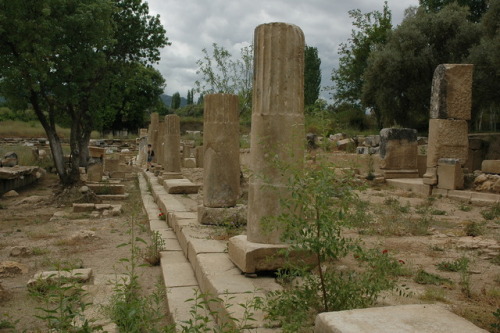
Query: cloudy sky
x,y
192,25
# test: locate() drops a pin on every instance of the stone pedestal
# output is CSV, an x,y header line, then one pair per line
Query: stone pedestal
x,y
450,111
221,145
172,139
450,174
398,150
277,136
95,172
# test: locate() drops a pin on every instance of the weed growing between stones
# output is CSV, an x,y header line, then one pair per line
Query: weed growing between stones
x,y
204,320
491,213
152,253
423,277
129,310
63,304
346,275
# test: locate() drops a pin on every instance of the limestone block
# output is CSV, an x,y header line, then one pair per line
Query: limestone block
x,y
180,186
398,148
447,139
97,152
83,207
189,163
491,166
111,164
428,318
76,275
95,172
223,216
450,175
451,96
344,144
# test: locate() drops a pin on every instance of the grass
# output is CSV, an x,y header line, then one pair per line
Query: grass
x,y
31,129
423,277
434,294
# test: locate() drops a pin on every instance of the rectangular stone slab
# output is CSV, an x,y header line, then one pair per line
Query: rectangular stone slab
x,y
181,186
412,318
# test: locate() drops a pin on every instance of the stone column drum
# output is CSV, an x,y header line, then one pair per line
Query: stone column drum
x,y
221,145
277,134
172,144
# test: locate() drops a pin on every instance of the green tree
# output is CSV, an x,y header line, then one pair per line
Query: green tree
x,y
312,75
371,30
486,60
397,80
477,8
55,56
176,101
221,73
134,93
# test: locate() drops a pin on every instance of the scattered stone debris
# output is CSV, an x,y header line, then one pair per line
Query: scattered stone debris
x,y
11,194
12,268
83,235
20,251
42,280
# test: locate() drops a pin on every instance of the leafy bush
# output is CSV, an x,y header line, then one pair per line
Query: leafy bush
x,y
316,212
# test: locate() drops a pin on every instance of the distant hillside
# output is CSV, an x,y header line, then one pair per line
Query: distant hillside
x,y
167,100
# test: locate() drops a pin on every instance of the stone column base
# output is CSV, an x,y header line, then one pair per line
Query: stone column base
x,y
430,176
252,257
220,216
392,174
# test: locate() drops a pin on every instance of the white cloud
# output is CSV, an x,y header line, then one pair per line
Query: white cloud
x,y
192,25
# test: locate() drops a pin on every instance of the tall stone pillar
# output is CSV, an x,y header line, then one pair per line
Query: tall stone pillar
x,y
221,144
277,134
221,161
153,132
160,144
172,142
450,111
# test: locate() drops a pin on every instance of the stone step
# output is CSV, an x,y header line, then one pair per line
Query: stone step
x,y
214,273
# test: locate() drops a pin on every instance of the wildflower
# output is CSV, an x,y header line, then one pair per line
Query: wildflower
x,y
385,252
402,262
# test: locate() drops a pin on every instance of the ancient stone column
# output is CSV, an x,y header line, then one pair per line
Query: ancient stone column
x,y
172,144
450,111
153,131
160,143
277,121
221,145
277,135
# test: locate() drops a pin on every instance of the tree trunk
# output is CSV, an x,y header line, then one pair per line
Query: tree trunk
x,y
54,141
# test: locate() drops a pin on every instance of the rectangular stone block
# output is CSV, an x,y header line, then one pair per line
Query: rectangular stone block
x,y
111,164
451,96
450,175
398,149
428,318
490,166
83,207
97,152
447,139
180,186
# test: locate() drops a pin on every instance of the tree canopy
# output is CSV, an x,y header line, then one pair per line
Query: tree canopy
x,y
59,56
399,74
312,75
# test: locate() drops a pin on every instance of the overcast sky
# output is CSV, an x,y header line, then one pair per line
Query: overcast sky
x,y
192,25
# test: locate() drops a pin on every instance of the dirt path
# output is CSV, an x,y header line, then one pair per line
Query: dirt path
x,y
55,237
